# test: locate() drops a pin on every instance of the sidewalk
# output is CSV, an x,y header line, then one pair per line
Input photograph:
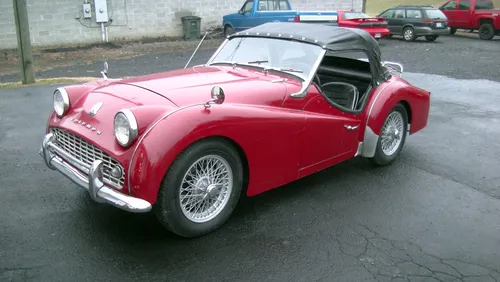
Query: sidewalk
x,y
124,60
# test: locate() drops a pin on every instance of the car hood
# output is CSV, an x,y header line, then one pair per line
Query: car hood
x,y
193,85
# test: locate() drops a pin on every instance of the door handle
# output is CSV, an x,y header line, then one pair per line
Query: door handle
x,y
351,127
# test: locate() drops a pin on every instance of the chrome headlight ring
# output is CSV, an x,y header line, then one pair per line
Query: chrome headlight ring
x,y
61,101
126,128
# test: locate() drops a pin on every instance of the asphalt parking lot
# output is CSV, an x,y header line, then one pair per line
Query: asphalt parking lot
x,y
431,216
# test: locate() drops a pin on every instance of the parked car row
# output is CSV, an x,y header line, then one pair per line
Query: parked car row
x,y
409,21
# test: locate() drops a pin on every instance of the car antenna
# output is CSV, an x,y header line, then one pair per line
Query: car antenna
x,y
199,44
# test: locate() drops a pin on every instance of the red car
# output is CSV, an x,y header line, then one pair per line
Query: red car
x,y
377,27
273,104
472,15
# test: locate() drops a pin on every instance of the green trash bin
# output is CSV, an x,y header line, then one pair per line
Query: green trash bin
x,y
192,27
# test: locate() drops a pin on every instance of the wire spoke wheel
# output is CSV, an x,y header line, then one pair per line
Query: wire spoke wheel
x,y
392,133
206,188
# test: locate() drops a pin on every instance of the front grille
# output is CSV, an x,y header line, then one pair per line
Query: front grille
x,y
87,153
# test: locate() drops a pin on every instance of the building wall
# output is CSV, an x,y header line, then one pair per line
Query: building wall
x,y
60,22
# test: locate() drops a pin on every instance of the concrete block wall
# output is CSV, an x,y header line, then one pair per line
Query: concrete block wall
x,y
60,22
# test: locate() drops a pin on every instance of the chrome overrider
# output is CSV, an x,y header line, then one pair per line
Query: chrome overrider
x,y
93,183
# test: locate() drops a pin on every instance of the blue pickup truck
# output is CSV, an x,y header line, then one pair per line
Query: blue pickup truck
x,y
257,12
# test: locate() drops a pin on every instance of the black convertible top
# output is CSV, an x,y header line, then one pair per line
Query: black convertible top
x,y
328,37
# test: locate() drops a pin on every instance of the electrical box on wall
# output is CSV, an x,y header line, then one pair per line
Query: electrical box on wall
x,y
87,11
101,11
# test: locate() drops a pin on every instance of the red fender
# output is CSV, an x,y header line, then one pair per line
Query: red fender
x,y
392,92
271,154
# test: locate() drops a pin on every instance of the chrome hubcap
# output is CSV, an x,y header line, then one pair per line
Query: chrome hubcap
x,y
392,133
206,188
408,34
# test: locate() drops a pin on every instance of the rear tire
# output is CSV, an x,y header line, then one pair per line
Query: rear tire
x,y
431,38
200,189
392,136
486,31
453,30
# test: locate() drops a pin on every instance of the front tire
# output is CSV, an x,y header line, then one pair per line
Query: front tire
x,y
201,188
409,34
392,136
228,30
431,38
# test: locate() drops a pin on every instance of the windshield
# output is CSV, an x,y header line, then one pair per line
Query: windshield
x,y
293,57
355,15
435,14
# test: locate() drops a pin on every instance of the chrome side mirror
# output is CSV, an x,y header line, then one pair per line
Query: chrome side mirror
x,y
217,96
105,71
394,68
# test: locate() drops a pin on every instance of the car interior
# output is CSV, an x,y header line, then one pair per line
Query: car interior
x,y
344,81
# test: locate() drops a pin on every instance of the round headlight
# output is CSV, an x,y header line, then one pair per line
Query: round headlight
x,y
126,129
61,102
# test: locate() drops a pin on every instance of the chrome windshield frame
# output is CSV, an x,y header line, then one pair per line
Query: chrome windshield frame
x,y
305,81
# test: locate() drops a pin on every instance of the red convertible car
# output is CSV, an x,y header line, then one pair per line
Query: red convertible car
x,y
273,104
377,27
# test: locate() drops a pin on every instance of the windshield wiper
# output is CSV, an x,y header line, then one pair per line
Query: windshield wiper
x,y
258,62
291,70
283,69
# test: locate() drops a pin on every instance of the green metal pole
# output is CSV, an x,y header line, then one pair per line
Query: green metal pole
x,y
23,41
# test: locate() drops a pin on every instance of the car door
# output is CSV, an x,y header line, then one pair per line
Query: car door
x,y
243,20
265,12
330,135
414,17
398,20
389,16
449,9
462,14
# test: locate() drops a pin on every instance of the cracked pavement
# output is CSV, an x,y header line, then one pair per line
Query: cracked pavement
x,y
431,216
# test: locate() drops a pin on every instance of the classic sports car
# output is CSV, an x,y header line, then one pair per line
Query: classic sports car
x,y
273,104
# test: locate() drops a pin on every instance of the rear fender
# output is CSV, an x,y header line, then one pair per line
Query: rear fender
x,y
416,102
267,137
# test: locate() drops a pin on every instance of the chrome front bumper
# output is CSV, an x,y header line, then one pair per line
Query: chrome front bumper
x,y
93,181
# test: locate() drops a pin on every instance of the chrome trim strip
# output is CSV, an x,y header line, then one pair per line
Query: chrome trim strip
x,y
279,80
359,150
302,92
217,51
144,136
370,139
93,182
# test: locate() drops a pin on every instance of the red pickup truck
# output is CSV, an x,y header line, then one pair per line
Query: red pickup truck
x,y
472,15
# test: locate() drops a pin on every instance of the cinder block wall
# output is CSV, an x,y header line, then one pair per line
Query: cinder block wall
x,y
60,22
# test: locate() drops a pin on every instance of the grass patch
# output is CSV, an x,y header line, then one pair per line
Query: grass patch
x,y
375,7
48,81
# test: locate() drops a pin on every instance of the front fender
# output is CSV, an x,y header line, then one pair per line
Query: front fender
x,y
267,136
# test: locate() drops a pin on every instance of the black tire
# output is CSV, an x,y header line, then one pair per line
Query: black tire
x,y
228,30
169,211
409,34
382,159
453,30
486,31
431,38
